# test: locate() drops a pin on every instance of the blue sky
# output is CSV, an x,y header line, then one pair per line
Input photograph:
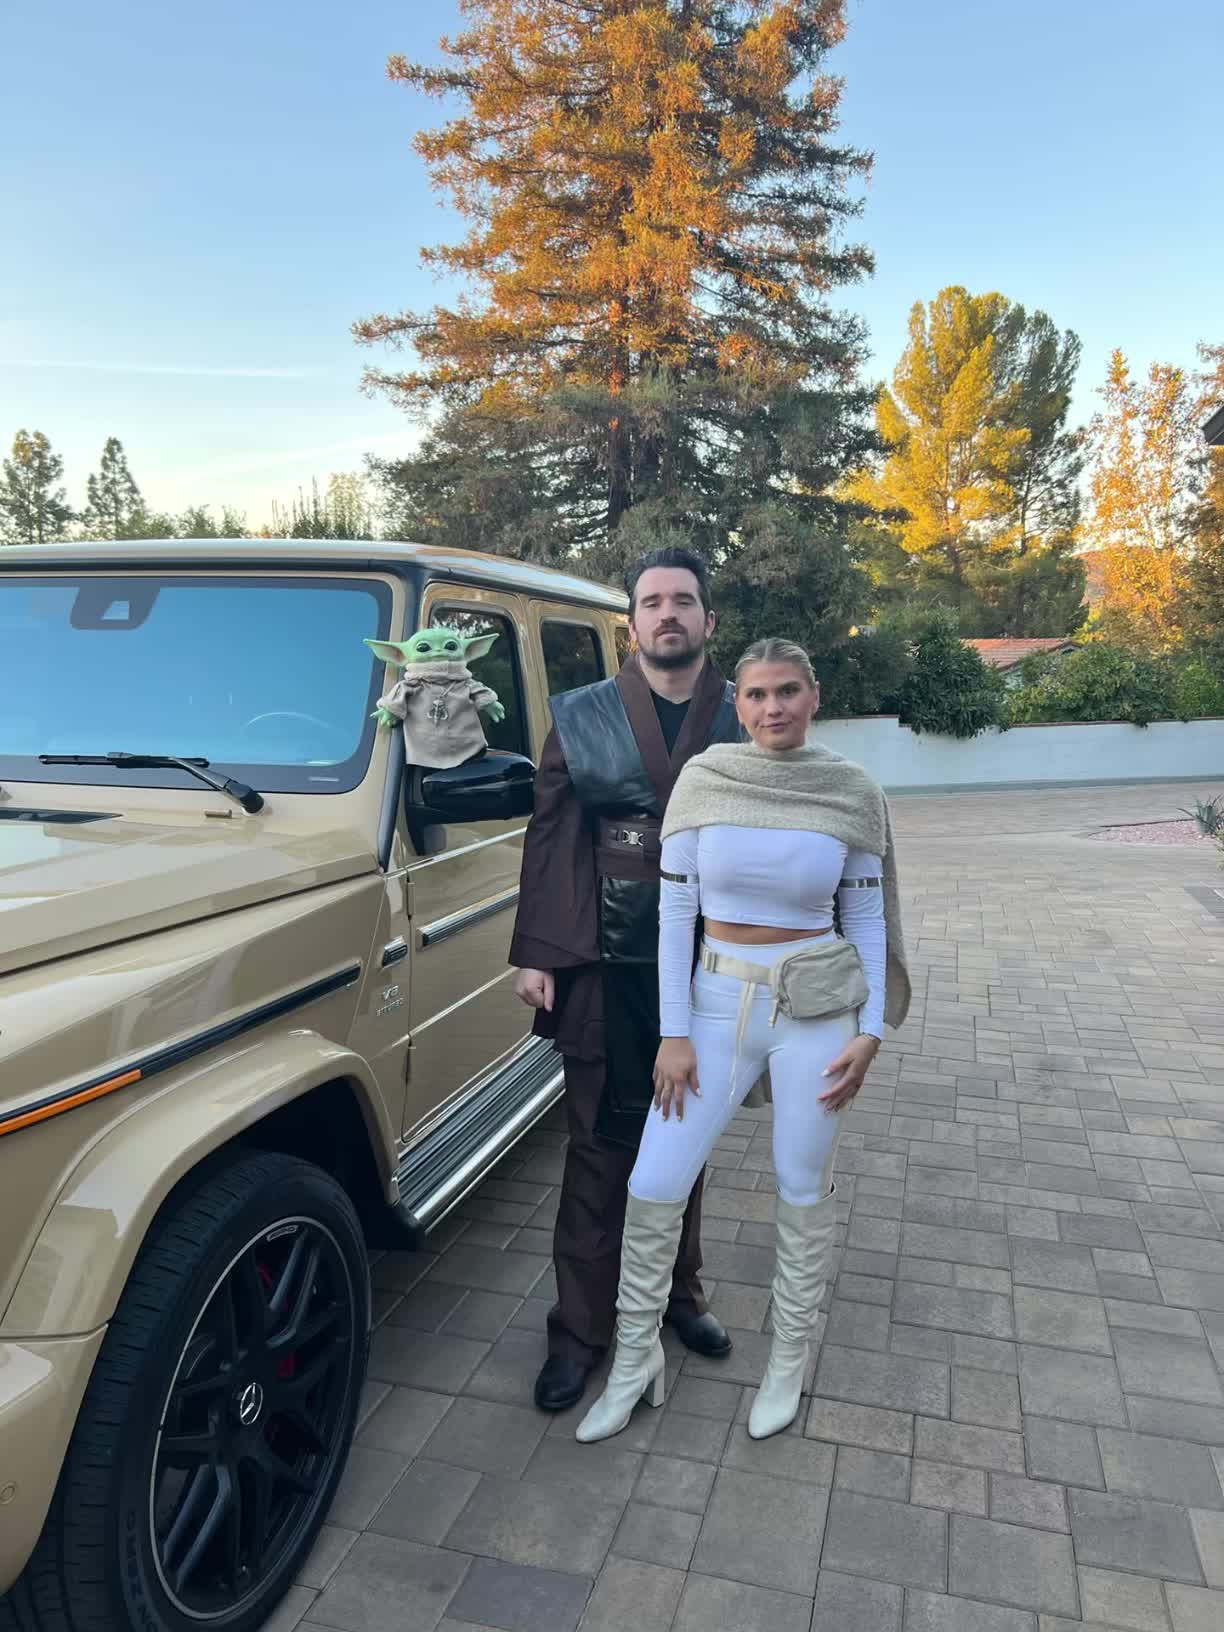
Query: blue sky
x,y
198,201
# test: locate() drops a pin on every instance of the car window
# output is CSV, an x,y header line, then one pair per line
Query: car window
x,y
266,675
624,644
499,669
571,655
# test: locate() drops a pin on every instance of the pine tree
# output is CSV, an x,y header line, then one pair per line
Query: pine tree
x,y
655,203
976,500
115,508
33,507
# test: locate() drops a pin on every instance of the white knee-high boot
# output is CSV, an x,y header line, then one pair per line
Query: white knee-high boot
x,y
648,1257
805,1247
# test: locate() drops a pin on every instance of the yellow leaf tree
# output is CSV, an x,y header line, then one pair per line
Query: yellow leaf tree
x,y
645,347
977,490
1143,490
1205,569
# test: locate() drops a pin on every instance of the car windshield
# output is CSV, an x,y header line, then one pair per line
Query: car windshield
x,y
266,677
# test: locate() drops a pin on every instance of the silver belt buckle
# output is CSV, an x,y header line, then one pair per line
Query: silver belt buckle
x,y
635,839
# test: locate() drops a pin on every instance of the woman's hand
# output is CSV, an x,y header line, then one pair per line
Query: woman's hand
x,y
848,1071
675,1074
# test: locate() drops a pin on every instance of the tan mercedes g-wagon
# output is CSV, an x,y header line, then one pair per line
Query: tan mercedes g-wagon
x,y
255,1018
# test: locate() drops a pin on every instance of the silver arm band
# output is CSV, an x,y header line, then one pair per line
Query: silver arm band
x,y
858,883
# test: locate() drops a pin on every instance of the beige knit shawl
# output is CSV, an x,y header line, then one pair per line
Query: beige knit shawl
x,y
814,790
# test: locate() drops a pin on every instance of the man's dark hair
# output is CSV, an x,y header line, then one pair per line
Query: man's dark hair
x,y
673,556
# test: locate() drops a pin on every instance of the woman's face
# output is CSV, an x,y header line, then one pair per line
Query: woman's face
x,y
775,703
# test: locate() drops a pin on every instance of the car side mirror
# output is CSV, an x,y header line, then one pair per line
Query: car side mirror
x,y
496,787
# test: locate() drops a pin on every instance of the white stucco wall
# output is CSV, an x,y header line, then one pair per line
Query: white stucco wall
x,y
900,758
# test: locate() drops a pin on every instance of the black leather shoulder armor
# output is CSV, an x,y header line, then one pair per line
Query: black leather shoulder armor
x,y
601,751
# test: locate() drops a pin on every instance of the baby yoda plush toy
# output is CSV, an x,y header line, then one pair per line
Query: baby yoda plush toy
x,y
437,696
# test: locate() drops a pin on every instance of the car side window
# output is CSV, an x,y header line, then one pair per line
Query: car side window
x,y
624,643
572,656
499,669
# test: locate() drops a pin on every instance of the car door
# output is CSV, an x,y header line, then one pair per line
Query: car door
x,y
464,1016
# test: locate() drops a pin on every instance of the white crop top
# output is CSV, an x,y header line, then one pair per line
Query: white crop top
x,y
776,876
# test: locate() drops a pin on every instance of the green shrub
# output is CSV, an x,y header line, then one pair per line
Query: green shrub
x,y
949,691
865,674
1198,691
1097,682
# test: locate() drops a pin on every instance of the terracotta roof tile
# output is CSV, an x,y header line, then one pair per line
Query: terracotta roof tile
x,y
1006,653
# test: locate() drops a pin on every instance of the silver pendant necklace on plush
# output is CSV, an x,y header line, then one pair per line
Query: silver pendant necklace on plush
x,y
438,710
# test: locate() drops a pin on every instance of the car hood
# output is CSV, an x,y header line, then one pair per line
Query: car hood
x,y
69,887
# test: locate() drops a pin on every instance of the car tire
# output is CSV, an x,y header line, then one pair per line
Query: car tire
x,y
219,1414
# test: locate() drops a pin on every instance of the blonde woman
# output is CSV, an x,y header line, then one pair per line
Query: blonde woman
x,y
760,840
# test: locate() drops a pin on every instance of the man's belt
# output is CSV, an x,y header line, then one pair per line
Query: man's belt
x,y
638,837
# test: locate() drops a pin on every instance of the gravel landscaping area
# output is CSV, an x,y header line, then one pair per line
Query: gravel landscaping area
x,y
1155,833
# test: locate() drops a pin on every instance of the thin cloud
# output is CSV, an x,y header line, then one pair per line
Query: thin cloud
x,y
294,456
187,370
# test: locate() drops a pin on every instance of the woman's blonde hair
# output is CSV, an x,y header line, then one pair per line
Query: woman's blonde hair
x,y
776,650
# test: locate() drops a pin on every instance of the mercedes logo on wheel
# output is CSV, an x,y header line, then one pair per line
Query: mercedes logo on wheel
x,y
250,1404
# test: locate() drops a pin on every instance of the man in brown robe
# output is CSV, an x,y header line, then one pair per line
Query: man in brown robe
x,y
586,945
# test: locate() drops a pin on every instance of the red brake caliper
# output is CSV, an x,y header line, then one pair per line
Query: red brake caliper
x,y
286,1367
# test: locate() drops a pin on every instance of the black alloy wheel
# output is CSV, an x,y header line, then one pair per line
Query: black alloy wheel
x,y
219,1415
251,1421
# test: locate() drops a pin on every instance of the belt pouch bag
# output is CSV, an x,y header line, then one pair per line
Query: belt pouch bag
x,y
818,982
821,981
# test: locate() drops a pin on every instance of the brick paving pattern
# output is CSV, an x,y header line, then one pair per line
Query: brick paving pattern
x,y
1017,1419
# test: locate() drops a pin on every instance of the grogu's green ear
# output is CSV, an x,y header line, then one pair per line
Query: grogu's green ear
x,y
478,646
390,651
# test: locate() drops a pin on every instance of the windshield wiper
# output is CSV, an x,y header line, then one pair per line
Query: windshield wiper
x,y
238,791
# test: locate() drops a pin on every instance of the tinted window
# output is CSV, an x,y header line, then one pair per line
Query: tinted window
x,y
571,655
499,670
269,676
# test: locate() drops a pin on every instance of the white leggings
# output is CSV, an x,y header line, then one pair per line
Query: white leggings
x,y
673,1152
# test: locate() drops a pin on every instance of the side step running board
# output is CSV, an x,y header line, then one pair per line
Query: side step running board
x,y
451,1161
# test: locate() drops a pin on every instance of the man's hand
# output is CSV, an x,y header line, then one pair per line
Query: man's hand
x,y
536,988
675,1073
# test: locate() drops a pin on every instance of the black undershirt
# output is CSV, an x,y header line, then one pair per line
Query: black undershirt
x,y
671,718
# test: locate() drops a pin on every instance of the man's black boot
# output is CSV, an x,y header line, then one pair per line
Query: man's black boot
x,y
703,1333
561,1383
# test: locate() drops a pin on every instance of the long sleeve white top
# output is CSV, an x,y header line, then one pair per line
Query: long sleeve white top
x,y
776,876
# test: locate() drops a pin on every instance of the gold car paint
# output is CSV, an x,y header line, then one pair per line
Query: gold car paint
x,y
65,888
98,1014
463,1012
83,1254
190,910
41,1386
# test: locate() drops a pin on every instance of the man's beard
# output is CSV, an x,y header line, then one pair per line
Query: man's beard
x,y
679,657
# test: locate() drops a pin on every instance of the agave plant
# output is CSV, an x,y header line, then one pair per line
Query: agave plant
x,y
1208,816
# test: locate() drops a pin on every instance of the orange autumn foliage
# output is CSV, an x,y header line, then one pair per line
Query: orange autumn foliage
x,y
647,190
1143,489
